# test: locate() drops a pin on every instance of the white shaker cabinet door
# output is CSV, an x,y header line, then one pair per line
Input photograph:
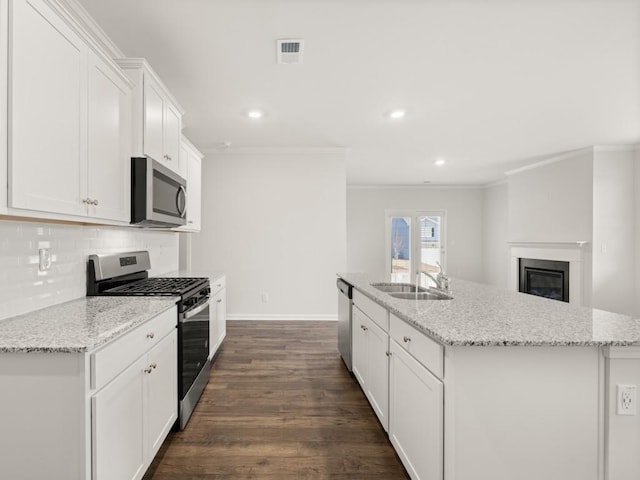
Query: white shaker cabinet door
x,y
118,426
416,416
359,347
377,378
171,137
220,306
109,143
47,134
194,192
153,121
162,392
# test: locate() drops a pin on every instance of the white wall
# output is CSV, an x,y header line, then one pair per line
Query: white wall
x,y
366,225
495,232
614,249
23,288
637,230
275,223
553,202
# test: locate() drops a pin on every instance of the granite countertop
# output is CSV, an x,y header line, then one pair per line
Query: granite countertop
x,y
483,315
79,325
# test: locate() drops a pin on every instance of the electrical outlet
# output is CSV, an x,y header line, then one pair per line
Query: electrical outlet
x,y
45,259
265,297
627,399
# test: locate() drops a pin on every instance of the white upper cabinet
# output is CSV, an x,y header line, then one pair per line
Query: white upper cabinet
x,y
192,161
47,86
69,121
157,117
109,142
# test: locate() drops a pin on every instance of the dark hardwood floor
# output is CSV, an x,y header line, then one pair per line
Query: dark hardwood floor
x,y
280,405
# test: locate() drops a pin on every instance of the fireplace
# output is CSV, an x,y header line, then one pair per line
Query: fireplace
x,y
544,278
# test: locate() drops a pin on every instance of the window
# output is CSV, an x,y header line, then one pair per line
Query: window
x,y
415,242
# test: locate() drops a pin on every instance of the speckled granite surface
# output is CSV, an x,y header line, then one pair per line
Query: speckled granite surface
x,y
482,315
79,325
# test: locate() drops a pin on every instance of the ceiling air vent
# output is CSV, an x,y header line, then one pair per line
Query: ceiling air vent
x,y
290,51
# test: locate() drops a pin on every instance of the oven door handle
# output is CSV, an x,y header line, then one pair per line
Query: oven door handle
x,y
194,312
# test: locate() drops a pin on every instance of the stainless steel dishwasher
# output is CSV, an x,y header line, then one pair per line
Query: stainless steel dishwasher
x,y
345,294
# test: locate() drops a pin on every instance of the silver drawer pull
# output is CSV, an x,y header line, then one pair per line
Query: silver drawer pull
x,y
151,335
154,365
389,354
148,370
406,339
365,328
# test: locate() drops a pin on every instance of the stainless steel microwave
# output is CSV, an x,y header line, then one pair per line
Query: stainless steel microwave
x,y
158,195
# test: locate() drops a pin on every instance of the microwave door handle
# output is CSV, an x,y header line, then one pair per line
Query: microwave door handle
x,y
182,211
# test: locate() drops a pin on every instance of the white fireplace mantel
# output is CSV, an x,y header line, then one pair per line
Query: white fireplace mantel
x,y
572,252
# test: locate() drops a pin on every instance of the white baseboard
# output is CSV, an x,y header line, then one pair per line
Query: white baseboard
x,y
262,316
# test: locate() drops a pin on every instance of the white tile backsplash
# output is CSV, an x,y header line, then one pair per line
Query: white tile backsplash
x,y
24,289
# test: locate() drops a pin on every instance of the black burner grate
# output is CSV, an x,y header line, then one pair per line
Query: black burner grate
x,y
156,286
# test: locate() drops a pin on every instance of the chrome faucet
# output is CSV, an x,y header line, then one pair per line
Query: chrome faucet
x,y
441,280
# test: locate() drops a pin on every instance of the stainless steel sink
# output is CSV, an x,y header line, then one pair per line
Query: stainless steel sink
x,y
397,287
422,295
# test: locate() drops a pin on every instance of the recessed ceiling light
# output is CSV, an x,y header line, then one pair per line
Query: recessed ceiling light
x,y
397,114
255,114
440,162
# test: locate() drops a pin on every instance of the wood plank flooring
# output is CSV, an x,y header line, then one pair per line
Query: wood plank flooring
x,y
280,405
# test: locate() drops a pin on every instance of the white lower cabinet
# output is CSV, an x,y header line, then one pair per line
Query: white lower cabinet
x,y
133,414
415,415
118,424
161,393
218,321
370,363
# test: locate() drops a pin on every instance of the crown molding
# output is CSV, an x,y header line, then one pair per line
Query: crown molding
x,y
550,160
617,148
276,150
436,186
90,26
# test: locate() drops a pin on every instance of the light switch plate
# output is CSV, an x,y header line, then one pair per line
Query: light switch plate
x,y
45,259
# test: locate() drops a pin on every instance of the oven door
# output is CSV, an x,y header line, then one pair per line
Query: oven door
x,y
193,352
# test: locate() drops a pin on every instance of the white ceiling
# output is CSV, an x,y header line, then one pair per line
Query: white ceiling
x,y
489,85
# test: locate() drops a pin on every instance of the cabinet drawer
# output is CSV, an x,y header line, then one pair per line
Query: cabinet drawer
x,y
426,351
114,357
374,311
218,284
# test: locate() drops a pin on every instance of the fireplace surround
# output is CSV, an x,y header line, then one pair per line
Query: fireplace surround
x,y
577,254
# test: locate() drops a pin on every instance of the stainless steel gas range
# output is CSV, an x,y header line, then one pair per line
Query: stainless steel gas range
x,y
125,274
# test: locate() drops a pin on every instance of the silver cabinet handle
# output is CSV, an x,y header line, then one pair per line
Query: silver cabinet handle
x,y
86,201
95,202
151,335
389,354
148,370
219,300
153,366
365,328
406,339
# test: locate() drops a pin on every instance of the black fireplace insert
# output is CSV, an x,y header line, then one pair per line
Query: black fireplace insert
x,y
545,278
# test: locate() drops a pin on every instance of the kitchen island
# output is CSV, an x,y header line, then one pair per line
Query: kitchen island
x,y
494,384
